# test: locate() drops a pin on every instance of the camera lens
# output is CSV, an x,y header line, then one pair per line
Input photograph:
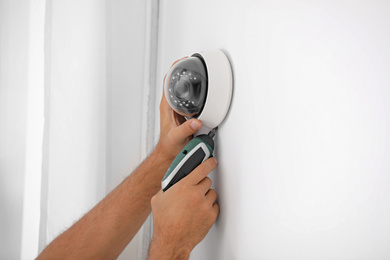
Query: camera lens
x,y
182,89
186,86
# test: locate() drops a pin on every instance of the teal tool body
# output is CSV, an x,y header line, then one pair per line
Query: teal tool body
x,y
194,153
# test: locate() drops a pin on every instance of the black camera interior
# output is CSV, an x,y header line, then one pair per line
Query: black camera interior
x,y
188,86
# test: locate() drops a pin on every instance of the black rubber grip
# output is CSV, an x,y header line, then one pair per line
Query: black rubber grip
x,y
207,139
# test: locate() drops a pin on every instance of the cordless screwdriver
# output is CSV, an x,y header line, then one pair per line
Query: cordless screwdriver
x,y
194,153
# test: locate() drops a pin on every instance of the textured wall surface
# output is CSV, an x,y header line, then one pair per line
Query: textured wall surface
x,y
304,169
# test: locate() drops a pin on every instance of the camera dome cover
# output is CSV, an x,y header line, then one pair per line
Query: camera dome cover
x,y
186,86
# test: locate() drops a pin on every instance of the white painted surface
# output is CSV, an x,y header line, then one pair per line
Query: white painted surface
x,y
96,75
93,77
34,130
304,169
75,133
13,121
125,85
125,70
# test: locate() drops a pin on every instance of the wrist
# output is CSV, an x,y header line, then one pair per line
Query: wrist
x,y
161,153
170,250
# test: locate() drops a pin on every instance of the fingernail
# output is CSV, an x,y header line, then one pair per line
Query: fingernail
x,y
215,160
196,125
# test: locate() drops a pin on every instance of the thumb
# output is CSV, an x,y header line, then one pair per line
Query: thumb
x,y
186,129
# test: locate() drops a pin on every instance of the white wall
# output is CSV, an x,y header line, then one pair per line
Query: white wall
x,y
94,88
126,29
89,59
125,70
13,110
303,154
75,133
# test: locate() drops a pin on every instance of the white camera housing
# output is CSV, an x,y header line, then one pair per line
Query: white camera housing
x,y
201,87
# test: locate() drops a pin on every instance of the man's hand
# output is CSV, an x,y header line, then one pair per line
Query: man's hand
x,y
175,131
183,215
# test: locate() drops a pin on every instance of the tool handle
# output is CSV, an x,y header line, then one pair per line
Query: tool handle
x,y
194,153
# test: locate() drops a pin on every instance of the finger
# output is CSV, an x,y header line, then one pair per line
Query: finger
x,y
216,209
168,112
156,196
164,102
178,119
164,106
205,185
179,60
163,96
211,196
202,171
181,132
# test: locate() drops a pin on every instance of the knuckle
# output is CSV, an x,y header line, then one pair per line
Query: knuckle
x,y
153,200
212,215
213,193
200,174
187,129
211,163
196,198
216,205
203,170
181,186
205,208
214,212
206,166
169,135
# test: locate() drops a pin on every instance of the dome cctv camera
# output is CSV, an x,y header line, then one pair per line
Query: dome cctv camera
x,y
198,87
201,86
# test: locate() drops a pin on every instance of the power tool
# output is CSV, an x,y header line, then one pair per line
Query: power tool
x,y
194,153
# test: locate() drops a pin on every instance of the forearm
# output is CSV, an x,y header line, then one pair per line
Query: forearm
x,y
106,230
167,251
